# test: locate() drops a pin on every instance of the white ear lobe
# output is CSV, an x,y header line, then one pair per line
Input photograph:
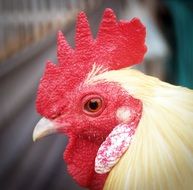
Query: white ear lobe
x,y
123,114
113,148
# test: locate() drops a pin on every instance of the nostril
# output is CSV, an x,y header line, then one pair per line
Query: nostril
x,y
57,110
54,116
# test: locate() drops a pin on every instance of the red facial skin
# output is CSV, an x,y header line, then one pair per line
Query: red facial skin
x,y
86,132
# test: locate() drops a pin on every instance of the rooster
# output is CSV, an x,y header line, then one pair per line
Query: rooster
x,y
126,130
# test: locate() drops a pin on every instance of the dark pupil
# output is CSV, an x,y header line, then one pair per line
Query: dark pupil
x,y
93,104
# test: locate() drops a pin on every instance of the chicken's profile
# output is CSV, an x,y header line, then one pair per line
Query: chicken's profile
x,y
126,130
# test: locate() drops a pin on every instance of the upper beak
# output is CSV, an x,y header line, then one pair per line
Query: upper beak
x,y
43,128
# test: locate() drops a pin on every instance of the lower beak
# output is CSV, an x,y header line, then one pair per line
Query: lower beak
x,y
44,128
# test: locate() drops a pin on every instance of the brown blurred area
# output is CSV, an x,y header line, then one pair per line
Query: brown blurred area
x,y
28,30
25,22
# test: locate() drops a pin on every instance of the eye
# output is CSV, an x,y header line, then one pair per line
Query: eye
x,y
93,105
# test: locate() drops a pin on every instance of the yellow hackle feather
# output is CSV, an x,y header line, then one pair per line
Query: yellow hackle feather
x,y
160,156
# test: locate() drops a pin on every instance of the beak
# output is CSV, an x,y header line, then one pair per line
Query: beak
x,y
43,128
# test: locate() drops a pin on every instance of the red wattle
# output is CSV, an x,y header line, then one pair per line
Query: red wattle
x,y
79,156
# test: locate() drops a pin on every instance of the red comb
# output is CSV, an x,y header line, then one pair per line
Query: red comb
x,y
118,44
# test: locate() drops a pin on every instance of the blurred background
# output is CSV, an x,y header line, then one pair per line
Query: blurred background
x,y
28,38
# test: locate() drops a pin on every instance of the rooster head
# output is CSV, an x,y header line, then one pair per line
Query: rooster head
x,y
98,116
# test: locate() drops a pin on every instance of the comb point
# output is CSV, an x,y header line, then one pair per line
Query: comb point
x,y
108,24
109,12
83,33
63,48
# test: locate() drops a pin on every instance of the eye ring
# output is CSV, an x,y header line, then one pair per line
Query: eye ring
x,y
93,105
